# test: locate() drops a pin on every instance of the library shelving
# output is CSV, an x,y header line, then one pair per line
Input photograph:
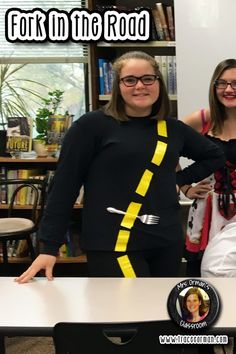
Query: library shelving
x,y
162,50
43,165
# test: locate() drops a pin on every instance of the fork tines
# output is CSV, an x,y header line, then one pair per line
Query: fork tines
x,y
149,219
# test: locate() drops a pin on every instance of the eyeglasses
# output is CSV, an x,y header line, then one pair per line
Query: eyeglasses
x,y
146,80
222,84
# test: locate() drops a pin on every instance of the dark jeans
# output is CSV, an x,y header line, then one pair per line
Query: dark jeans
x,y
161,262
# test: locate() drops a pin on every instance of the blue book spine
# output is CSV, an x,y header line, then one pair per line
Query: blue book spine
x,y
101,76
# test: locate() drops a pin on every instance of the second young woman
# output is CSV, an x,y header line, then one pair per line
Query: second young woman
x,y
215,204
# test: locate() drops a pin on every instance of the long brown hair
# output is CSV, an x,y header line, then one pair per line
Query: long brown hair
x,y
116,106
203,307
217,109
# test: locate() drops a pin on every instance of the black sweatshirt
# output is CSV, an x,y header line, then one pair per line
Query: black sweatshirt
x,y
120,166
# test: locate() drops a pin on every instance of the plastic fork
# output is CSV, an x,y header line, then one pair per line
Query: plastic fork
x,y
145,219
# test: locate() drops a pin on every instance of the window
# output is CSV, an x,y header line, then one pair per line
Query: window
x,y
61,66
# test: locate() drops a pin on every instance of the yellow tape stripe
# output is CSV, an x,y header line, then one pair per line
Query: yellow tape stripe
x,y
130,215
122,241
144,183
162,128
159,153
134,208
126,267
128,222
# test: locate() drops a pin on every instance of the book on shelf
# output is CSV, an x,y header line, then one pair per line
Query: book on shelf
x,y
11,174
170,75
162,18
154,34
24,196
158,26
22,249
167,66
105,76
101,77
3,187
19,134
19,248
63,252
170,20
21,195
106,69
11,248
175,75
14,248
58,125
49,177
30,194
162,63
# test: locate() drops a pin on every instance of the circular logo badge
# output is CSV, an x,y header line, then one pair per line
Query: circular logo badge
x,y
193,304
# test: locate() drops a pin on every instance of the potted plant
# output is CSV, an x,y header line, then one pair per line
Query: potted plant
x,y
50,124
49,107
15,95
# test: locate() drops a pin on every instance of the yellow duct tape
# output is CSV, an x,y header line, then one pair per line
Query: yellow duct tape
x,y
159,153
126,267
144,183
122,241
162,128
130,215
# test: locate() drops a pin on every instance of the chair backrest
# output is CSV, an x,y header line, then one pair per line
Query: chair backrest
x,y
105,338
35,189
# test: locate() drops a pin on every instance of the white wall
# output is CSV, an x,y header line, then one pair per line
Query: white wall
x,y
205,35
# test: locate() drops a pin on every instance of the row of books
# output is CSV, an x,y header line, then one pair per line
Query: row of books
x,y
18,248
105,76
19,132
24,196
167,65
71,247
162,21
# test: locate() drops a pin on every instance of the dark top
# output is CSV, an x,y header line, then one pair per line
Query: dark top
x,y
225,178
109,159
229,147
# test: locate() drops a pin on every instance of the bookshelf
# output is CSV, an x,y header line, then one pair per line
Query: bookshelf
x,y
109,51
44,165
79,259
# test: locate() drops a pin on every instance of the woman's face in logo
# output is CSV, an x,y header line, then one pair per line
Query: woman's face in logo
x,y
193,303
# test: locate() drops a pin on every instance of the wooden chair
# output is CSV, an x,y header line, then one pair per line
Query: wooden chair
x,y
107,338
15,228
